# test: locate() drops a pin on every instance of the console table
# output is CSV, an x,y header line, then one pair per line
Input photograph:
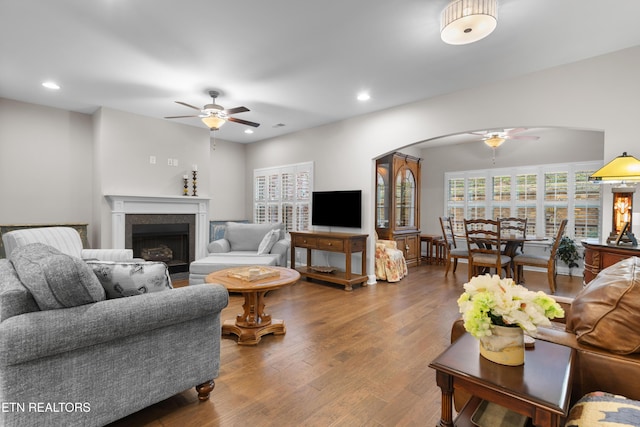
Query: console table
x,y
598,256
345,243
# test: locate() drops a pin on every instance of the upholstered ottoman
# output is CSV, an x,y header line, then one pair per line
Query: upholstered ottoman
x,y
199,269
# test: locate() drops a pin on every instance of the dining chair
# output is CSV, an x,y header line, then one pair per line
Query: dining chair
x,y
453,253
485,246
548,262
514,227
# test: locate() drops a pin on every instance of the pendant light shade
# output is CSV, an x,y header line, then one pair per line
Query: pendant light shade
x,y
213,122
494,142
622,168
467,21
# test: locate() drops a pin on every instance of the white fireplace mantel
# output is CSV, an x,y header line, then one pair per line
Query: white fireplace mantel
x,y
123,205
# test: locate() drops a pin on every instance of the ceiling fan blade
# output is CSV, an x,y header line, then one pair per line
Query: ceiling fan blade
x,y
513,131
236,110
524,137
188,105
179,117
243,122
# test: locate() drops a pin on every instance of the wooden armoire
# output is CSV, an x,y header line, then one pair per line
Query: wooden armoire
x,y
398,203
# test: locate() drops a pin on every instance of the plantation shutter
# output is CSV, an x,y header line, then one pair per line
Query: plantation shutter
x,y
283,194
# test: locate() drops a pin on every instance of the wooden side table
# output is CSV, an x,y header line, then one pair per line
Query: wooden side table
x,y
539,389
435,248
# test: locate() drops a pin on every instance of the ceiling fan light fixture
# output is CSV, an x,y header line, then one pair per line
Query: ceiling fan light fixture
x,y
213,122
494,141
467,21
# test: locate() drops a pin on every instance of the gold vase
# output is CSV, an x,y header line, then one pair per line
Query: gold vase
x,y
505,346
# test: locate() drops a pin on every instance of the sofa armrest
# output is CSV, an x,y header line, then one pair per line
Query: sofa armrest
x,y
108,254
281,248
565,303
219,246
46,333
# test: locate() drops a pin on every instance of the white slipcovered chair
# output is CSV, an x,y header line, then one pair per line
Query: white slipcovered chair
x,y
65,239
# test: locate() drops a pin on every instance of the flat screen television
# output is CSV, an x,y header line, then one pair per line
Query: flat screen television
x,y
337,208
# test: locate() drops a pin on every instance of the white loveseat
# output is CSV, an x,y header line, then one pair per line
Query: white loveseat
x,y
242,244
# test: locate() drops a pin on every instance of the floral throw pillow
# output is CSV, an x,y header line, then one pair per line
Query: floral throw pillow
x,y
124,279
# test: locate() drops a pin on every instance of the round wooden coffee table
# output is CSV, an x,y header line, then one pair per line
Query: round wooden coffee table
x,y
251,325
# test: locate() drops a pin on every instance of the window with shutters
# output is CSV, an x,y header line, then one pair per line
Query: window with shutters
x,y
283,194
476,198
586,207
455,204
544,194
526,200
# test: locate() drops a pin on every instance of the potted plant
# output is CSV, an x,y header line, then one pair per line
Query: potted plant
x,y
568,252
497,311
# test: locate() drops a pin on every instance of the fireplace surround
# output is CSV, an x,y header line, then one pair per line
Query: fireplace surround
x,y
129,210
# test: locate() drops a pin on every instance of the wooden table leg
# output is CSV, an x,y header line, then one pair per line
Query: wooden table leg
x,y
253,323
445,382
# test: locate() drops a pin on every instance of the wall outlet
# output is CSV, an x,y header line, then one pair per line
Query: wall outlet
x,y
169,162
175,162
152,160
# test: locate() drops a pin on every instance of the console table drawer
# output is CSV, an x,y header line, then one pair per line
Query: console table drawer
x,y
305,242
331,244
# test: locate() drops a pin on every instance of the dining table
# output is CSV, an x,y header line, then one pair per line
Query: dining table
x,y
512,243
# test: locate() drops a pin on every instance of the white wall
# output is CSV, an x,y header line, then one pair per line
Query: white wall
x,y
124,143
60,169
52,159
228,182
594,94
46,172
554,146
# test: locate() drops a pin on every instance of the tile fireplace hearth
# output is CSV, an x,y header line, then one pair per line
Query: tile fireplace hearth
x,y
127,211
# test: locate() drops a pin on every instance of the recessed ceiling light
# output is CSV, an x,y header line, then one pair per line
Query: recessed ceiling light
x,y
248,131
364,96
51,85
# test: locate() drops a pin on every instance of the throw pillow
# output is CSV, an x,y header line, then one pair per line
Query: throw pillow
x,y
606,312
600,408
268,241
55,280
124,279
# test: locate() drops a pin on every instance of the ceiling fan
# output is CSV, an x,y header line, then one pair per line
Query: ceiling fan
x,y
494,138
214,115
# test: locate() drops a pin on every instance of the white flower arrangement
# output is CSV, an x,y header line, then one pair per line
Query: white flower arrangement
x,y
489,300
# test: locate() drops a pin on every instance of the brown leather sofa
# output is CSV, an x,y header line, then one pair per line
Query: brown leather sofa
x,y
602,323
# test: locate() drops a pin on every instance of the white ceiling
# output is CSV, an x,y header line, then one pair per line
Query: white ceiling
x,y
294,62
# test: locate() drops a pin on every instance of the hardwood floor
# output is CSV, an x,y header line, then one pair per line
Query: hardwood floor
x,y
348,358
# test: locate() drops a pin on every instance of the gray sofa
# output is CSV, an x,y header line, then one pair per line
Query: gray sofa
x,y
79,359
243,244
